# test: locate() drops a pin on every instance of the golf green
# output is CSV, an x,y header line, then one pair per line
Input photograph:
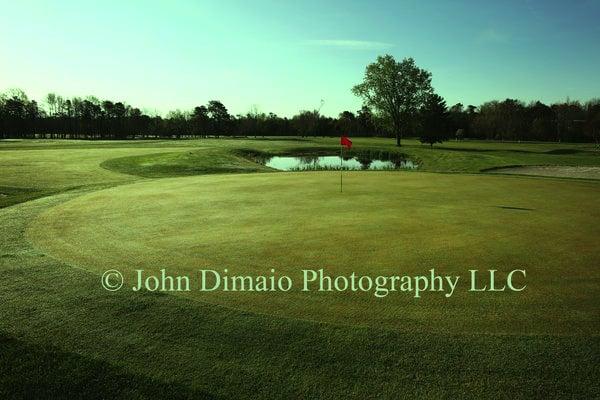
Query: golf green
x,y
383,224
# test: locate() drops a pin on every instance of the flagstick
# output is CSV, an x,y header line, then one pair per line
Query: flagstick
x,y
341,166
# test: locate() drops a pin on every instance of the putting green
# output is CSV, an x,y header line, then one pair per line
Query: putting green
x,y
385,223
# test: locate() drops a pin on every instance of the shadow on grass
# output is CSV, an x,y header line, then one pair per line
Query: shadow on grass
x,y
29,371
515,208
12,195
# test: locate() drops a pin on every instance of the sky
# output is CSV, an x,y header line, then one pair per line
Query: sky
x,y
286,56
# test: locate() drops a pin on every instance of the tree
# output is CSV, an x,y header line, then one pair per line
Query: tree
x,y
366,124
108,108
200,120
592,123
347,123
176,123
119,110
459,120
512,119
51,101
219,116
486,123
542,121
306,122
396,90
567,116
435,120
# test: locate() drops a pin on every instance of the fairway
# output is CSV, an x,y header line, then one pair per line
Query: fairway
x,y
383,223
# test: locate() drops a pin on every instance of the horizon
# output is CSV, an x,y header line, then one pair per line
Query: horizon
x,y
284,58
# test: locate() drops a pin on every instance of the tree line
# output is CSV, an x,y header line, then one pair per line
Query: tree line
x,y
91,118
402,93
433,121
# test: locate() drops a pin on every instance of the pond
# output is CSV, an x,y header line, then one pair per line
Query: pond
x,y
308,163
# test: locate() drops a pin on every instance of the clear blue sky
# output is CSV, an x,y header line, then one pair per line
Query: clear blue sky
x,y
283,56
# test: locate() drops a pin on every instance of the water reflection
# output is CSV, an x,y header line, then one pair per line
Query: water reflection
x,y
307,163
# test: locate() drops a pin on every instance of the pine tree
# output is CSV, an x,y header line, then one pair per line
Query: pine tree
x,y
435,120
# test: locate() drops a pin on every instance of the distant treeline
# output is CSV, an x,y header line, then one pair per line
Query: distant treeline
x,y
91,118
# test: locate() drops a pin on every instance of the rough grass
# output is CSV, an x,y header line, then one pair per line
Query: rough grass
x,y
182,163
63,336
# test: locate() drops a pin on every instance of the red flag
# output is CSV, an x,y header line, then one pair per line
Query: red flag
x,y
344,141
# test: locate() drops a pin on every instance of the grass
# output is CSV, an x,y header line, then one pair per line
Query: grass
x,y
182,163
63,164
14,195
227,156
384,223
24,369
62,335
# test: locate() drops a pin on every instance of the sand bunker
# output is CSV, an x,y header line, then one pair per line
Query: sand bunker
x,y
551,170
